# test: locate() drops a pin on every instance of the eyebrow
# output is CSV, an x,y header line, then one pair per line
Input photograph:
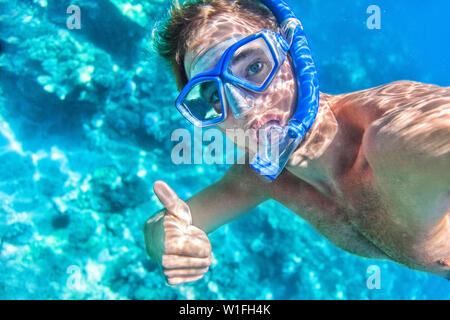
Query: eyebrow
x,y
243,54
211,54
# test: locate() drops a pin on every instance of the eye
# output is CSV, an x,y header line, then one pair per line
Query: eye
x,y
214,100
255,68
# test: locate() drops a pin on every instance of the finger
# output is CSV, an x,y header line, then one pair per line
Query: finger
x,y
187,246
185,272
170,200
165,194
180,280
171,261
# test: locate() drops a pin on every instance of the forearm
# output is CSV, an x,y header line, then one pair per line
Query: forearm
x,y
231,197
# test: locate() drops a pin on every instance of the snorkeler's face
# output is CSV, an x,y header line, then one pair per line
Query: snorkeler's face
x,y
276,103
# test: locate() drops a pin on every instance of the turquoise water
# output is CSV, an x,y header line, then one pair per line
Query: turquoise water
x,y
85,123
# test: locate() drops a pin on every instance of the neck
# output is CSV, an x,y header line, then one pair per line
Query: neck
x,y
306,162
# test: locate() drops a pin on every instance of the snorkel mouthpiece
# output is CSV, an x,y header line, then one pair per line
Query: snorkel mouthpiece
x,y
278,143
275,148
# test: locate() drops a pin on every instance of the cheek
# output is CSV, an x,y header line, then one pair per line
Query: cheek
x,y
230,123
281,93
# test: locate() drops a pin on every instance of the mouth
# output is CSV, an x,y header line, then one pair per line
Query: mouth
x,y
264,122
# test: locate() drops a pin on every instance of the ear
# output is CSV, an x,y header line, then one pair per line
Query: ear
x,y
180,74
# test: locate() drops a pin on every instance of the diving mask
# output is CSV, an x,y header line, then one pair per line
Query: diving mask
x,y
247,66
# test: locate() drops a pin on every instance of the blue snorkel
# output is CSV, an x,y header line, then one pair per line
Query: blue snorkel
x,y
279,142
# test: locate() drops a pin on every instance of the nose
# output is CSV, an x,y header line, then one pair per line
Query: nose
x,y
238,100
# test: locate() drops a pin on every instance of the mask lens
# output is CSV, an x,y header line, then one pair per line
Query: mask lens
x,y
203,101
253,63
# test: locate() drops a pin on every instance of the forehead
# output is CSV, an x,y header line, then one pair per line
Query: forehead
x,y
211,40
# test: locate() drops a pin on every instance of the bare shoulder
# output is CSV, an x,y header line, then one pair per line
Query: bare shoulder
x,y
364,107
408,148
399,92
409,95
403,118
415,122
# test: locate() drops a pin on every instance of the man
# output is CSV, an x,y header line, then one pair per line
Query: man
x,y
372,175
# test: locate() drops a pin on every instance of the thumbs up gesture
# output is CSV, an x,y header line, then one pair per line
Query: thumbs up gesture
x,y
183,250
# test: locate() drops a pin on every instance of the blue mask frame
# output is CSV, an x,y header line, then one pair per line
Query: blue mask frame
x,y
221,75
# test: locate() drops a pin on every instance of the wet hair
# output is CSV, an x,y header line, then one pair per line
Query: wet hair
x,y
172,36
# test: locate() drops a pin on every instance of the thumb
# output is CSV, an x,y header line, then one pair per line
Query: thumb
x,y
173,204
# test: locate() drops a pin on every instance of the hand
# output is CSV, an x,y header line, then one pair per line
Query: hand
x,y
183,250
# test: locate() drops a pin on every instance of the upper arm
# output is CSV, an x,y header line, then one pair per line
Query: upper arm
x,y
409,151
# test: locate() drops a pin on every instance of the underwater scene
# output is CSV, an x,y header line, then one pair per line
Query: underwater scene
x,y
86,117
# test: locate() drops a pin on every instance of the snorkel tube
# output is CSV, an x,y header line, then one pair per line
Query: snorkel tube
x,y
279,142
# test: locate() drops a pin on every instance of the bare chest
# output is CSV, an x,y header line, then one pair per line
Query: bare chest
x,y
365,221
383,220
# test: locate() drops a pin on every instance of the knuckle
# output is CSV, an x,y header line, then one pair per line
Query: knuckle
x,y
170,234
175,245
205,251
168,274
166,261
209,247
172,244
167,245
